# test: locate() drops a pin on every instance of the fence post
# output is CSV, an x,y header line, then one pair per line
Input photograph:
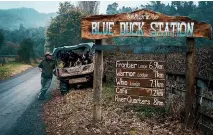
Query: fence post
x,y
97,83
190,82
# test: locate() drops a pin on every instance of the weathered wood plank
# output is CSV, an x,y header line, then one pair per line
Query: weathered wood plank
x,y
145,83
150,92
141,49
140,73
138,64
190,82
140,100
97,84
162,25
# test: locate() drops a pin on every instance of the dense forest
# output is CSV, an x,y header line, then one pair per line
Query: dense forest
x,y
64,28
11,40
22,30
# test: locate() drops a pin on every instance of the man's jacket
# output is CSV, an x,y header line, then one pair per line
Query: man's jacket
x,y
47,67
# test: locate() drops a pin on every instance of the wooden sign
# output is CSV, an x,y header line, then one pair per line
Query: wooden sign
x,y
146,83
140,91
144,23
138,64
138,73
141,82
140,100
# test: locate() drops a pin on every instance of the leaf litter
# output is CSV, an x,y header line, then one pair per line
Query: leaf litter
x,y
72,115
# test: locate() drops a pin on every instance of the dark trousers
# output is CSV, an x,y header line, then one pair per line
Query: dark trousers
x,y
45,84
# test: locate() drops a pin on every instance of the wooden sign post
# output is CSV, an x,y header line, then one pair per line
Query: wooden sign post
x,y
97,83
144,23
190,81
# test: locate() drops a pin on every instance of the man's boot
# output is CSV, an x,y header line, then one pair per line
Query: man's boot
x,y
41,96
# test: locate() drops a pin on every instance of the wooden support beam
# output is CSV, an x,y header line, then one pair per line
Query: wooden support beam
x,y
138,49
190,82
97,83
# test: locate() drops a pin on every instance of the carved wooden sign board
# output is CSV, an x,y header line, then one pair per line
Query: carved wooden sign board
x,y
140,82
144,23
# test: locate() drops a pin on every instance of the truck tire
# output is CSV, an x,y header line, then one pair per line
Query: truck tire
x,y
90,82
104,78
64,87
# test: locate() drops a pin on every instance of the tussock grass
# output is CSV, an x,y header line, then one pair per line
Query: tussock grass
x,y
12,68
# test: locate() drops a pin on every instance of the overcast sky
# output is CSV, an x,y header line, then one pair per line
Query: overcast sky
x,y
52,6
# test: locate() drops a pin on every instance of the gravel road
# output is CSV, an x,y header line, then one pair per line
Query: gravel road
x,y
20,111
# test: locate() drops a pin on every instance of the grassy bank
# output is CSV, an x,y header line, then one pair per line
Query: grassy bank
x,y
12,68
72,115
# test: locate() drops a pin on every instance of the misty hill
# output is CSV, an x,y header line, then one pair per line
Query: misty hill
x,y
29,17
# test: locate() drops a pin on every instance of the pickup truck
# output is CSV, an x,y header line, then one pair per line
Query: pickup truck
x,y
74,66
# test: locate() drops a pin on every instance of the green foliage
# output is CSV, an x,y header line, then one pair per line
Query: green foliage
x,y
65,29
112,8
1,39
9,48
39,49
14,38
26,51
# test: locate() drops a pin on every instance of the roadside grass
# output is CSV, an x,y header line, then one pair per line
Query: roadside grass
x,y
12,68
34,64
72,115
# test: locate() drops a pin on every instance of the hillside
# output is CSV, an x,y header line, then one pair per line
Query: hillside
x,y
29,17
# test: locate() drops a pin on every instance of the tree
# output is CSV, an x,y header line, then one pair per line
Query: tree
x,y
26,51
112,8
65,7
9,48
21,27
15,37
1,39
89,7
65,29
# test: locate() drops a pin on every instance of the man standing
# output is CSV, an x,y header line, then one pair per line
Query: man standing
x,y
46,67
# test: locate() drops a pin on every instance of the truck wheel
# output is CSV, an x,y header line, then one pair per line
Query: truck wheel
x,y
90,82
104,78
64,87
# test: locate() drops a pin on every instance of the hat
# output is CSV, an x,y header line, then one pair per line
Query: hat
x,y
47,53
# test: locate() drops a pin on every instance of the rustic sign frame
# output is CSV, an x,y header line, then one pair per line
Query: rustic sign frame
x,y
200,30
